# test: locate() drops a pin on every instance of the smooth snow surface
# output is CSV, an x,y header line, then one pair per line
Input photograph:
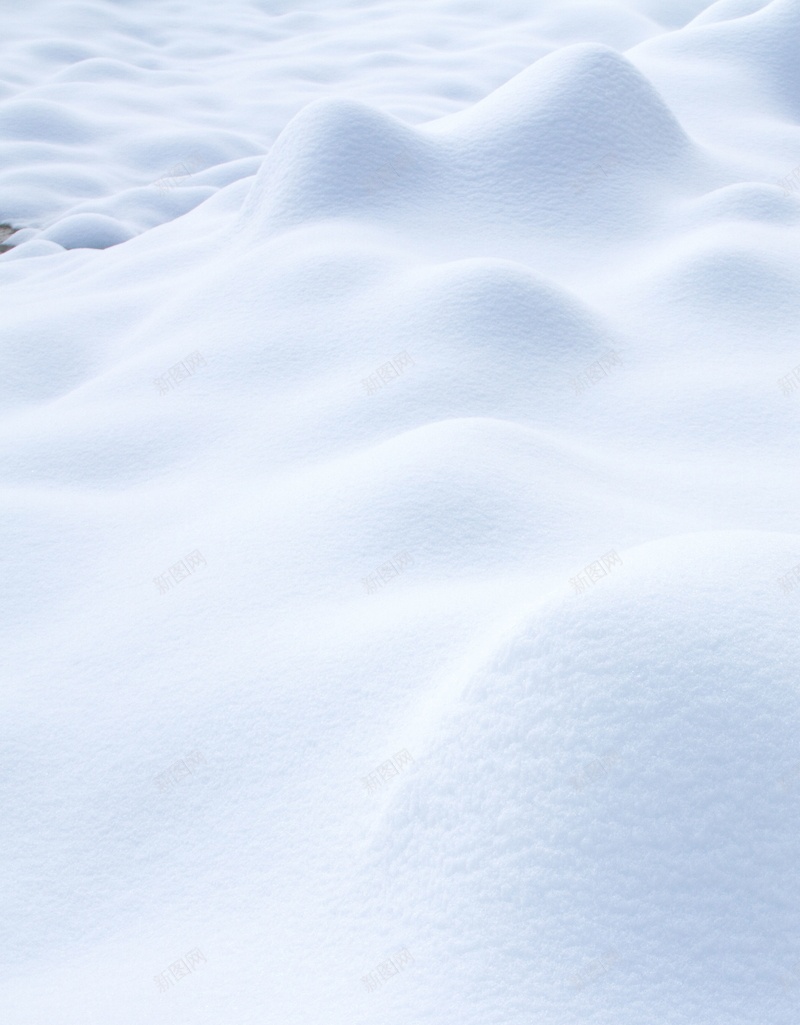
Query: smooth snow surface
x,y
400,512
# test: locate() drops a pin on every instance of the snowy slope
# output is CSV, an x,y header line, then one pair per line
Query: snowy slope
x,y
399,507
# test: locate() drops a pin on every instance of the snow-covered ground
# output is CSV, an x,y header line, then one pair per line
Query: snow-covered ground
x,y
399,510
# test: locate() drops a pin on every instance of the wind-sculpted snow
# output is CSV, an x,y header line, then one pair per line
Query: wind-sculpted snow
x,y
610,795
398,419
579,136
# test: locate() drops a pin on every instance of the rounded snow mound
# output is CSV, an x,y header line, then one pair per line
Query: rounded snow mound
x,y
611,804
577,103
35,247
759,41
462,493
613,25
87,231
747,201
44,121
102,70
729,10
726,284
333,158
504,315
580,136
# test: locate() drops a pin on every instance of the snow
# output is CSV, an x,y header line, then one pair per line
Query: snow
x,y
399,503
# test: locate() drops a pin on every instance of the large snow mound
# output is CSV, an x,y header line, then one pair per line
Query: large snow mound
x,y
399,503
602,797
